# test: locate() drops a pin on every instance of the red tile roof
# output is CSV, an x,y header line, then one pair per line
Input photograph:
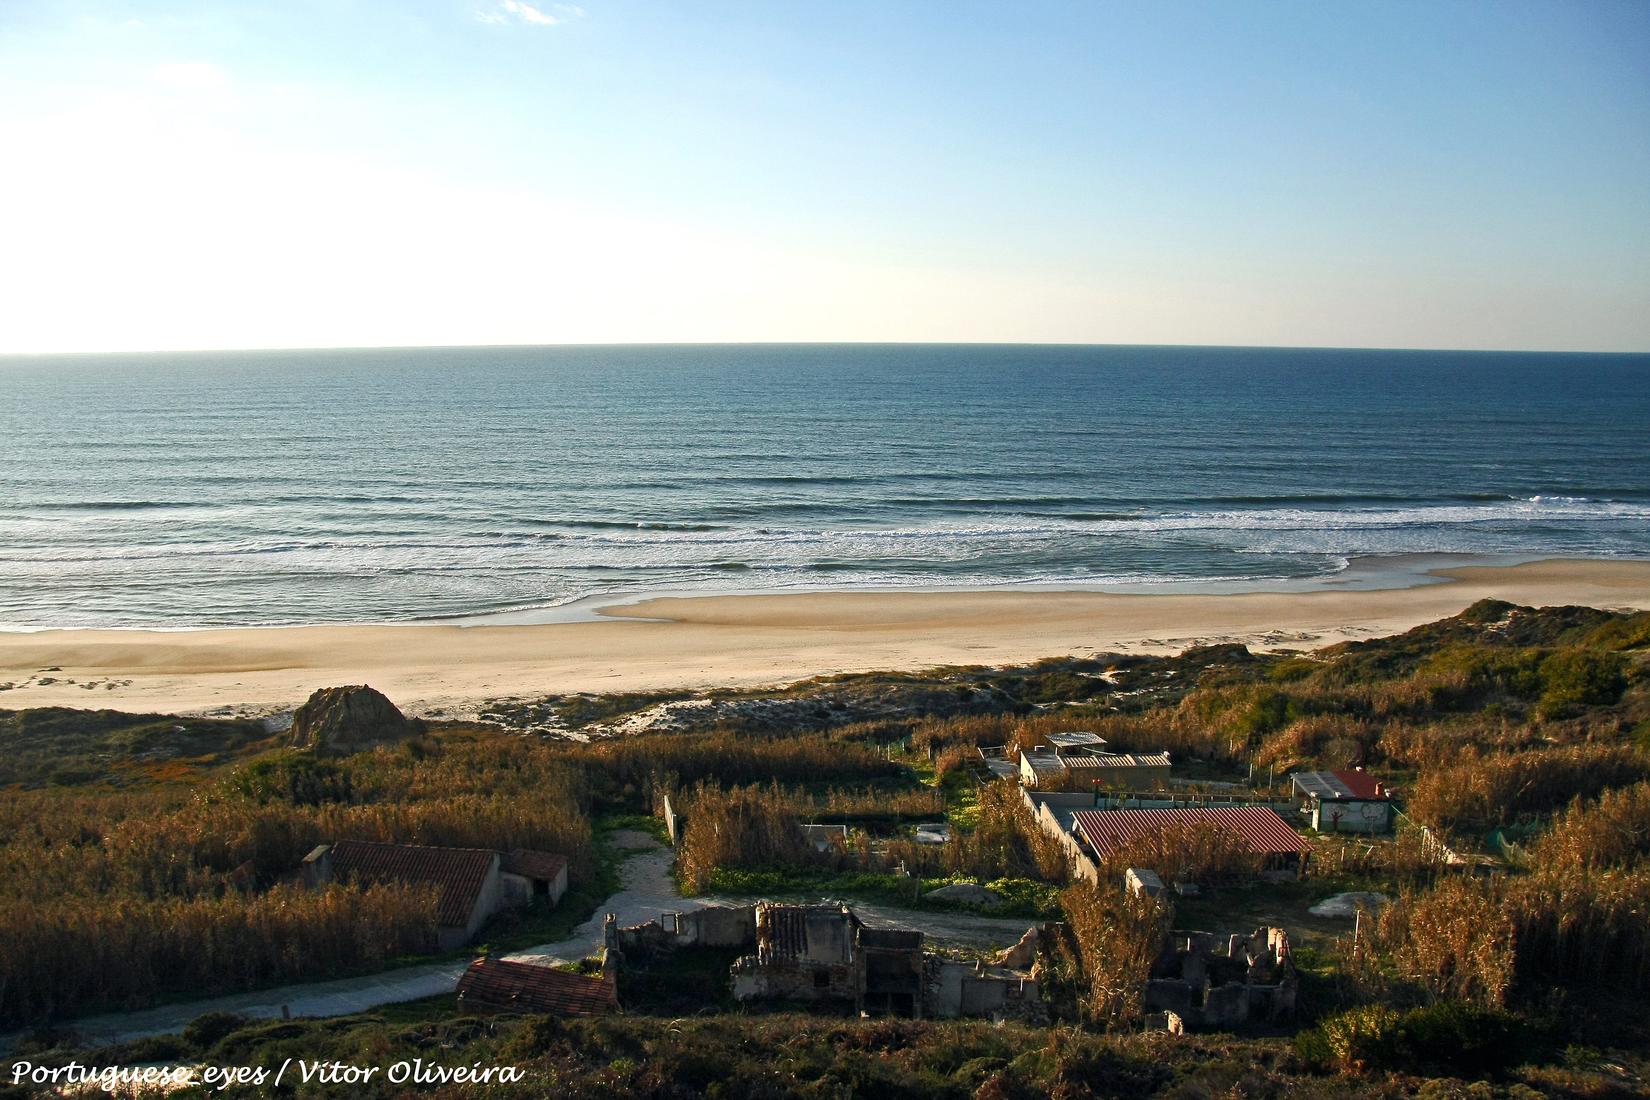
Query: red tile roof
x,y
504,986
530,864
1266,832
459,872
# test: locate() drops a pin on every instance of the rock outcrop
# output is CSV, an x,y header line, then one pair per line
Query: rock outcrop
x,y
342,720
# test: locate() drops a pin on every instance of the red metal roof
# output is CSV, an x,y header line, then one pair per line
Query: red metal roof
x,y
530,864
1361,784
459,872
504,986
1266,832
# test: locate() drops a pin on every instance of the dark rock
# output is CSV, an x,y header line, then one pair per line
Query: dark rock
x,y
342,720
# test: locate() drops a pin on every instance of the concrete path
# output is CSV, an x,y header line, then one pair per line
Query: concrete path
x,y
647,889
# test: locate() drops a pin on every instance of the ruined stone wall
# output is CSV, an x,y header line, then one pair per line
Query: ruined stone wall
x,y
1248,979
711,926
754,979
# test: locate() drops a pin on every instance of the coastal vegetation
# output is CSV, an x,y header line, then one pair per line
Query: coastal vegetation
x,y
148,857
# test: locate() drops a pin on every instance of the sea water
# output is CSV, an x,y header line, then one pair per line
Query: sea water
x,y
239,488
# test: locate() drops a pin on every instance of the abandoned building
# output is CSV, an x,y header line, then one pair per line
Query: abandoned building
x,y
528,874
1202,981
990,990
1108,832
1344,801
825,838
473,882
499,985
1143,880
825,953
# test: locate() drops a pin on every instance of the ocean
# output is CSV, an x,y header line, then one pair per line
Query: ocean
x,y
241,488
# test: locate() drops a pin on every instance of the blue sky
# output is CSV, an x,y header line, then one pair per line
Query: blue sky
x,y
345,172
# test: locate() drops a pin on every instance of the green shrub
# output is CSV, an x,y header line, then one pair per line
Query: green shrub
x,y
204,1031
1446,1037
1581,677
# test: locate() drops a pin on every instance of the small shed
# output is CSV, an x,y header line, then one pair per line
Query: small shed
x,y
1117,770
1073,739
1344,801
1143,880
528,874
825,837
933,833
1263,832
468,879
1043,770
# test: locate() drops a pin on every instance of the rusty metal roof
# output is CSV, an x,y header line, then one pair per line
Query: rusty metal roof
x,y
530,864
504,986
1266,832
459,872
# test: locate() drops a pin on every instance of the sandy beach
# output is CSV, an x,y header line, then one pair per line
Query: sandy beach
x,y
749,640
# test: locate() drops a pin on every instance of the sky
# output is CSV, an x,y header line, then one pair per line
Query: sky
x,y
324,173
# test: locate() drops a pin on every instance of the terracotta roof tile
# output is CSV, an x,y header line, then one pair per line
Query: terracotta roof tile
x,y
504,986
531,864
459,872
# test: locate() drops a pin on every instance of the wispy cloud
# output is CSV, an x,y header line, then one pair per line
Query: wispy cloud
x,y
518,11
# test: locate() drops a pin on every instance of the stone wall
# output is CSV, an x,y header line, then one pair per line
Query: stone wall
x,y
1214,982
711,926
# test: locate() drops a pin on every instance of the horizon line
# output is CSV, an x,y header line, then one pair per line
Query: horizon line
x,y
805,343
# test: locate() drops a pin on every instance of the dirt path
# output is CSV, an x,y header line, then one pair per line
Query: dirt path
x,y
646,889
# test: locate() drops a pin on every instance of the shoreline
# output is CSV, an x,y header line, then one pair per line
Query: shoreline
x,y
694,641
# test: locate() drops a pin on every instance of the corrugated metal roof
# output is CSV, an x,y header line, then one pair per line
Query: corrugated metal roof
x,y
531,864
459,872
1119,760
1338,786
505,986
1074,738
1361,784
1266,832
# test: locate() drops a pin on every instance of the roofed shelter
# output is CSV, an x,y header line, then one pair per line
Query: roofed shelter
x,y
1344,801
468,879
1267,835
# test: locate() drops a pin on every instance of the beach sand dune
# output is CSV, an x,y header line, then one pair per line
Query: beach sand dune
x,y
693,642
